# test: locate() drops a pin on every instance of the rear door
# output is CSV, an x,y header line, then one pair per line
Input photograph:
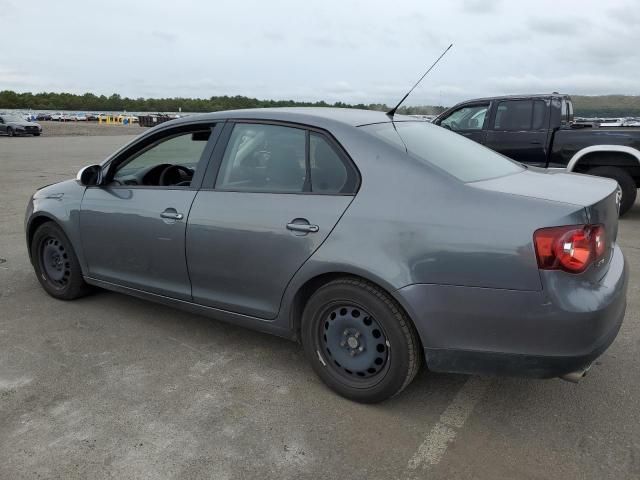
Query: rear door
x,y
272,195
519,130
469,121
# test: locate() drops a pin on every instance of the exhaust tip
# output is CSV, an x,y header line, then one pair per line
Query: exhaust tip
x,y
575,377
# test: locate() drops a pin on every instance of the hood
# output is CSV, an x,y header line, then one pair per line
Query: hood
x,y
571,188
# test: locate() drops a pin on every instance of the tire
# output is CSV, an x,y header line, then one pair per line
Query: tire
x,y
626,182
56,264
359,341
36,134
10,132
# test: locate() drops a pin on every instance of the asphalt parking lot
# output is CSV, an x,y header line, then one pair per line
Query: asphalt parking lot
x,y
110,386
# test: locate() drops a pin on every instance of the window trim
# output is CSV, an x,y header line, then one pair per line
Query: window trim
x,y
211,175
154,138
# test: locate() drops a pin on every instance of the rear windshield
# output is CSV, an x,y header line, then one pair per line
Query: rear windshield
x,y
463,158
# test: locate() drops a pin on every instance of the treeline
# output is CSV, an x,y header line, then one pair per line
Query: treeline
x,y
115,103
607,105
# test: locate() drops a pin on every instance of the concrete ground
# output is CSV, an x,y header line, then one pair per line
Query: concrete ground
x,y
110,386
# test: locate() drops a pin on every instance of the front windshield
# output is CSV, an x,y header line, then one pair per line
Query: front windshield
x,y
13,118
458,156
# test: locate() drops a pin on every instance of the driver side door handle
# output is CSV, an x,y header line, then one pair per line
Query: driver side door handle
x,y
171,214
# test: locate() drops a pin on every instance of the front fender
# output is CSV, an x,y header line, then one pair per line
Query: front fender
x,y
61,204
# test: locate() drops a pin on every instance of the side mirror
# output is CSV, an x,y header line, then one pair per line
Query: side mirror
x,y
90,176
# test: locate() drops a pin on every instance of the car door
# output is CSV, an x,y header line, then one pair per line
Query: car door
x,y
468,120
272,196
133,226
3,126
519,130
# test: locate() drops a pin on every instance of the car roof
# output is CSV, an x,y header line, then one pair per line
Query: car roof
x,y
318,116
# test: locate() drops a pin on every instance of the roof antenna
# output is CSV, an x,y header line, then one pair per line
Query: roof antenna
x,y
392,112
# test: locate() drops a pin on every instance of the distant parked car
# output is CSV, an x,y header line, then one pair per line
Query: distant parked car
x,y
16,125
44,116
79,117
57,117
93,117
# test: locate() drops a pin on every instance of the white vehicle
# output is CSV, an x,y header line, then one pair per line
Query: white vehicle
x,y
57,117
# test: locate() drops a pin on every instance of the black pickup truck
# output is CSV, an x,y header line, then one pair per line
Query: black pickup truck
x,y
539,130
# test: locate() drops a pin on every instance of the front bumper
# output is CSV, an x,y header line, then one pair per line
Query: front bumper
x,y
541,334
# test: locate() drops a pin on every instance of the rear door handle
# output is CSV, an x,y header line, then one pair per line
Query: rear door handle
x,y
302,227
171,214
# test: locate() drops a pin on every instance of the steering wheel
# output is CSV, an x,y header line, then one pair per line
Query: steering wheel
x,y
172,175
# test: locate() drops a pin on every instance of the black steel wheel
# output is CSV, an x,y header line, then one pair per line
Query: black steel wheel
x,y
359,340
355,344
56,264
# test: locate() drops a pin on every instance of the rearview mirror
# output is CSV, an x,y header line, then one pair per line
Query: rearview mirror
x,y
89,176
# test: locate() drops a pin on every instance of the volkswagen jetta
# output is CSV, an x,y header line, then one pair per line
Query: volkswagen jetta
x,y
381,244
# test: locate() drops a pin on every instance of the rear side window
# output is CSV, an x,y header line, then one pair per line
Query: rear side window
x,y
281,159
264,158
330,172
519,115
458,156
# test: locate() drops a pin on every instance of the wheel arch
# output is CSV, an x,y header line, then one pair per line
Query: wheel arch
x,y
35,222
306,289
605,155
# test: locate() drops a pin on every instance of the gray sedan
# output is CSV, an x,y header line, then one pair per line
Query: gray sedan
x,y
380,245
13,125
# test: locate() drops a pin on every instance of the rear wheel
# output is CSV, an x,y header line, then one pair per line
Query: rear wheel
x,y
626,182
359,341
56,264
10,131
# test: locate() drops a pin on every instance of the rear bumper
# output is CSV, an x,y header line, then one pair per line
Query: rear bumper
x,y
524,333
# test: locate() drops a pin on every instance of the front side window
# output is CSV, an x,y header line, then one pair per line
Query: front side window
x,y
170,161
466,118
458,156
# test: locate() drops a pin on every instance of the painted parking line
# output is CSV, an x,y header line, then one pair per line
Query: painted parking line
x,y
451,421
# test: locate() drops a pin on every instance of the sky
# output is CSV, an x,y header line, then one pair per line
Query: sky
x,y
334,50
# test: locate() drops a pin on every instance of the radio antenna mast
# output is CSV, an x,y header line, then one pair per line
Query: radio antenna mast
x,y
392,112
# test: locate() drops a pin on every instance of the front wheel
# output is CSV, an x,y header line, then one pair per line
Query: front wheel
x,y
626,182
359,341
56,264
10,132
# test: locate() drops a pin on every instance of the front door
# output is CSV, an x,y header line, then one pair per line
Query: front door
x,y
519,130
133,227
279,192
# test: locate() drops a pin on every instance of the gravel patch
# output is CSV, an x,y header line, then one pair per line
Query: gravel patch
x,y
64,129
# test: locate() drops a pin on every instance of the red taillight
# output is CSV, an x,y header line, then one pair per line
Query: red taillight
x,y
572,248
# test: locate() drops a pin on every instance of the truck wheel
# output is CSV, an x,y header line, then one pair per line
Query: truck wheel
x,y
359,341
626,182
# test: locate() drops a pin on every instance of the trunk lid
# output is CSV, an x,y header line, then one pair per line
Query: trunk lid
x,y
597,197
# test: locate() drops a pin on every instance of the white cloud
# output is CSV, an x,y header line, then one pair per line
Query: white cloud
x,y
356,51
